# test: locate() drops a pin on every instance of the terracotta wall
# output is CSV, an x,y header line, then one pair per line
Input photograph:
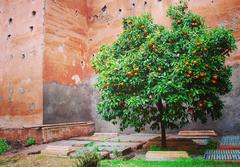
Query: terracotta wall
x,y
66,62
65,55
21,54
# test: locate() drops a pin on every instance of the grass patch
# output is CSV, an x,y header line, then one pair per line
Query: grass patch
x,y
158,148
30,141
4,147
196,152
179,163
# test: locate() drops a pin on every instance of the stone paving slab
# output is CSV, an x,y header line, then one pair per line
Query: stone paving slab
x,y
134,138
105,142
202,142
210,133
222,155
165,155
177,137
118,144
70,143
62,151
96,137
122,147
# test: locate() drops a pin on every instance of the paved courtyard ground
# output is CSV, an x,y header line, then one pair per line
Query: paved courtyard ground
x,y
132,148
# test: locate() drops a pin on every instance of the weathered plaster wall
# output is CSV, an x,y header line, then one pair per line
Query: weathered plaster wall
x,y
104,20
21,50
66,62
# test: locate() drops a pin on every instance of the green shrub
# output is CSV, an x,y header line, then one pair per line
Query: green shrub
x,y
196,152
80,152
212,144
30,141
91,144
3,146
116,153
89,159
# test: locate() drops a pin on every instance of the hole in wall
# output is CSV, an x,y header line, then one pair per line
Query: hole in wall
x,y
76,12
104,8
145,2
211,1
159,0
82,64
95,16
23,56
34,13
9,36
120,10
31,28
133,4
10,20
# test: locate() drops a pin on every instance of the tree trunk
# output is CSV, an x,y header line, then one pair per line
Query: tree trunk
x,y
163,135
163,129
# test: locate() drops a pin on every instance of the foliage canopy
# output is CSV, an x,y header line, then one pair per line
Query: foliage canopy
x,y
182,68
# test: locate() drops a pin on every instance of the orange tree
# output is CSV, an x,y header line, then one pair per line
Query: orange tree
x,y
162,77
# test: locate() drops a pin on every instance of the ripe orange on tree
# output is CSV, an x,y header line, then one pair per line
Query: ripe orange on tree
x,y
215,77
190,72
129,74
121,84
136,69
214,81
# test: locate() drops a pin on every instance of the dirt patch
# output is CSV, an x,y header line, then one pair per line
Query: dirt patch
x,y
35,160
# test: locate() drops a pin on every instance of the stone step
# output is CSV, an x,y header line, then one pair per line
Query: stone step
x,y
57,150
165,155
209,133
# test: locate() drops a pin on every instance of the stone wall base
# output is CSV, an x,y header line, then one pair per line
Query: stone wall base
x,y
48,133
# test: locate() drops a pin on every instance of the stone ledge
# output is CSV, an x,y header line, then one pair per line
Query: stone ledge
x,y
48,133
